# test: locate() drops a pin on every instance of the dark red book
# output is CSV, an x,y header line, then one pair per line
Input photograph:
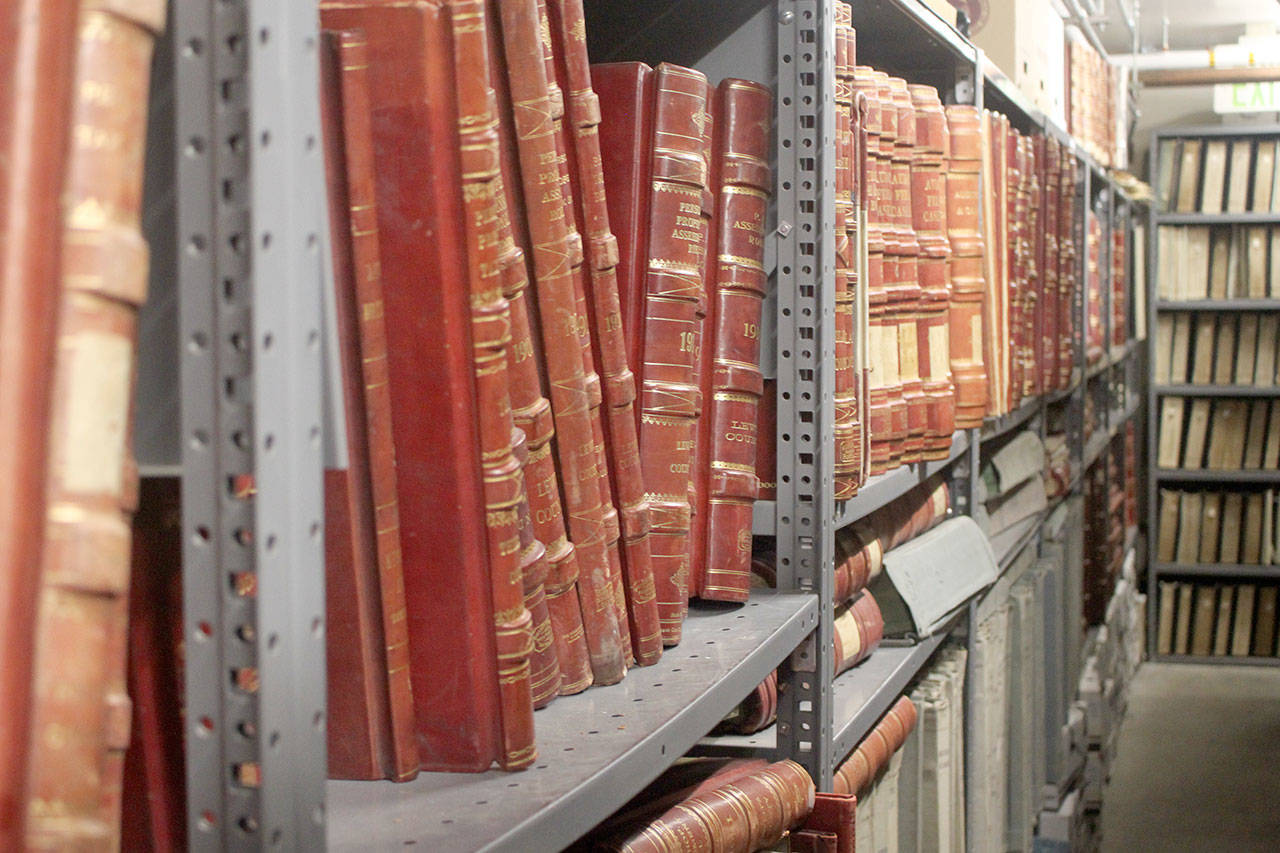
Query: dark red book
x,y
154,817
605,316
859,770
968,278
560,313
834,814
656,176
37,65
859,627
730,355
435,413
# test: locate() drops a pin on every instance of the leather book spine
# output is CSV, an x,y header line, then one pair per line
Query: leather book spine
x,y
967,277
80,710
491,333
907,296
929,217
752,812
766,438
700,458
847,461
532,414
814,841
1094,339
862,300
859,627
605,315
1039,254
672,286
1068,268
577,457
583,330
439,476
881,374
834,814
38,67
736,295
373,508
1047,342
855,775
154,814
895,254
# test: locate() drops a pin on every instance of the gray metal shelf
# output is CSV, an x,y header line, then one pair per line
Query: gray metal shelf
x,y
1218,219
1242,660
1217,390
1008,544
1217,305
862,695
1217,570
878,491
993,428
596,749
1204,475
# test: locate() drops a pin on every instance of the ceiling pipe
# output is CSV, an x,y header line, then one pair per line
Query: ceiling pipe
x,y
1203,76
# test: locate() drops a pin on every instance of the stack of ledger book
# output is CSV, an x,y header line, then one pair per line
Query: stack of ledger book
x,y
1218,262
549,279
1216,175
1218,527
1217,348
73,275
1225,618
1220,434
1105,528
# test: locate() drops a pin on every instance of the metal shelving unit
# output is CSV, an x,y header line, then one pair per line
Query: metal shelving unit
x,y
251,270
1157,476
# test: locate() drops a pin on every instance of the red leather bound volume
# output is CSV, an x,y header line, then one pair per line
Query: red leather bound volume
x,y
1119,287
744,811
700,458
848,461
860,548
882,374
757,711
583,331
552,251
154,816
655,172
453,653
862,766
967,277
814,841
767,442
898,249
1094,338
37,63
929,216
995,261
731,352
370,717
1047,338
906,296
605,315
859,627
1068,268
491,332
80,708
532,414
834,814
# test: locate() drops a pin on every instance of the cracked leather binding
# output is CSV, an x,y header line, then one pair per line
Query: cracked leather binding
x,y
80,708
731,381
968,370
605,316
552,251
860,769
655,174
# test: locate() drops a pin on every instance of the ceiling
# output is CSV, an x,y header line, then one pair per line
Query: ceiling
x,y
1192,23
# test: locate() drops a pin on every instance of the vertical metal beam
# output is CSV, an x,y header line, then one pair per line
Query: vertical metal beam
x,y
249,238
806,358
1152,413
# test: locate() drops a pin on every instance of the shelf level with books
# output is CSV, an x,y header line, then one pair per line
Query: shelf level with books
x,y
1230,660
1217,218
1202,475
597,749
1216,390
1217,570
1218,305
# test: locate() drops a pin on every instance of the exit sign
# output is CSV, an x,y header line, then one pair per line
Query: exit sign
x,y
1247,97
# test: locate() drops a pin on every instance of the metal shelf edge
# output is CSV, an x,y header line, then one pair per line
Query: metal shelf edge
x,y
1217,570
885,488
641,731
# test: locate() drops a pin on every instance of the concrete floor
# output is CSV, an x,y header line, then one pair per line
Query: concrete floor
x,y
1198,763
